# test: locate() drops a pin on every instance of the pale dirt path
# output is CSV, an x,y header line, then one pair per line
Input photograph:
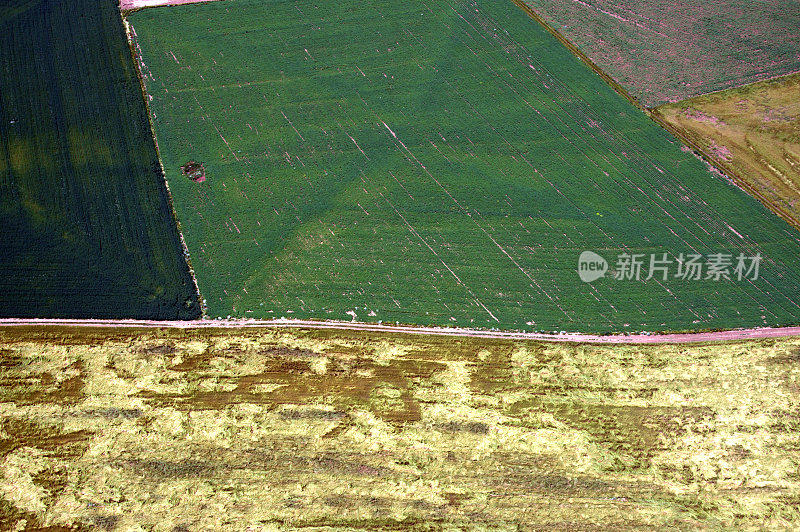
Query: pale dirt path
x,y
135,4
669,338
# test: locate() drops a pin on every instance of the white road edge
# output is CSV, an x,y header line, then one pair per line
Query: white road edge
x,y
636,338
136,4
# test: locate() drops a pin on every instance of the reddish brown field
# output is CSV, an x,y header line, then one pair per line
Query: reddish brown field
x,y
668,51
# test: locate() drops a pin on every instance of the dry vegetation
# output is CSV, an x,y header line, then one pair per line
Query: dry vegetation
x,y
199,430
752,131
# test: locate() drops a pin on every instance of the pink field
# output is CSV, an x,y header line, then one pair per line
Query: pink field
x,y
665,51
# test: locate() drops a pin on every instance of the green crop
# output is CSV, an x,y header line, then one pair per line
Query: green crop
x,y
438,163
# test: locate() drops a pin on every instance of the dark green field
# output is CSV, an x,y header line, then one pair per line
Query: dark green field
x,y
435,163
87,229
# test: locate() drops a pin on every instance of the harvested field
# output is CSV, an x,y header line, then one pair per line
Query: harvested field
x,y
753,132
202,430
87,228
443,164
664,51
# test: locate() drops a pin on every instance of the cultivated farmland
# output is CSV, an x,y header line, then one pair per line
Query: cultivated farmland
x,y
87,229
436,163
754,131
217,430
664,51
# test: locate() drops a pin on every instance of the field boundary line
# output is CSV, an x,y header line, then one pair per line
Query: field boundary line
x,y
728,170
138,61
654,115
635,338
583,57
777,77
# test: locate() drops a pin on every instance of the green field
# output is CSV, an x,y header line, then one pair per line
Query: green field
x,y
87,229
434,163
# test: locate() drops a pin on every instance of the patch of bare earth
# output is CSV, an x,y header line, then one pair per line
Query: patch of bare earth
x,y
753,133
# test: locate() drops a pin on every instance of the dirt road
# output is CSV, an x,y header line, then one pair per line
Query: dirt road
x,y
135,4
639,338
